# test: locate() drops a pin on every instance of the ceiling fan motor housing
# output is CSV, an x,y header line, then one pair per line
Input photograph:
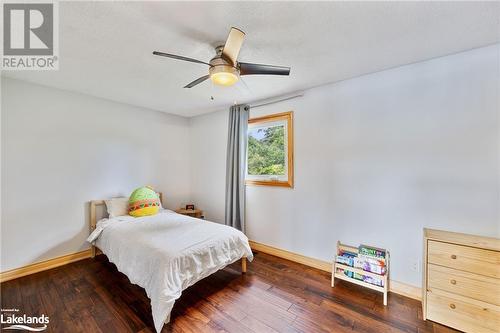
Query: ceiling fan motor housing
x,y
219,58
221,71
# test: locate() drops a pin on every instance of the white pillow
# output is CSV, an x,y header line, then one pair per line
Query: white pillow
x,y
117,207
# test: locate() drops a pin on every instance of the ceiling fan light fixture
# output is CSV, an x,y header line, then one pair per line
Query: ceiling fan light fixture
x,y
224,75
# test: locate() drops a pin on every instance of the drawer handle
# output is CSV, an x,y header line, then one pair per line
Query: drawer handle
x,y
452,306
453,281
453,256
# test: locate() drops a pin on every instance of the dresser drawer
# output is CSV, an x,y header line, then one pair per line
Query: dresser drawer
x,y
479,287
464,258
466,316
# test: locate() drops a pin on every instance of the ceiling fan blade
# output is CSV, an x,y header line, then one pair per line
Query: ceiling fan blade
x,y
233,45
197,81
254,69
178,57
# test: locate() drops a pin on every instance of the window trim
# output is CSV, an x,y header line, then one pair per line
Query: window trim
x,y
288,117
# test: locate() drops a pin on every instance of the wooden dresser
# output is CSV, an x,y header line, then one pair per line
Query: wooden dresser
x,y
461,286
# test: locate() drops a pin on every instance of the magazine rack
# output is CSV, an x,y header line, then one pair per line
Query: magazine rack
x,y
340,275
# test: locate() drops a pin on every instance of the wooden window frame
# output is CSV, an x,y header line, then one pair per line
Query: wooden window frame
x,y
288,117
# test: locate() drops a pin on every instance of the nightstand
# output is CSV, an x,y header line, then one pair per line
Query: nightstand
x,y
190,212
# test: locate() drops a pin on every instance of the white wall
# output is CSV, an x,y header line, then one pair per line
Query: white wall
x,y
377,158
208,168
61,149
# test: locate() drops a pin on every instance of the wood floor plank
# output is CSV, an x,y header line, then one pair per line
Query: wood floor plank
x,y
221,318
363,323
323,319
275,295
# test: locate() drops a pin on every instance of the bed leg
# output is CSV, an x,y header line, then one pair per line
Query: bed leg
x,y
243,265
92,251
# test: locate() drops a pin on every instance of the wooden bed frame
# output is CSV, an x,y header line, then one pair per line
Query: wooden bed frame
x,y
93,221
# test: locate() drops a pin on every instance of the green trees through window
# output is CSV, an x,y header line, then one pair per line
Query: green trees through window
x,y
266,150
270,150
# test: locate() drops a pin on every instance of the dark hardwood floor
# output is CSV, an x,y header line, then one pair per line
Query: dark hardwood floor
x,y
275,295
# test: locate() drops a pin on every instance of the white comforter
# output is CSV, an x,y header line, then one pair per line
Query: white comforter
x,y
168,252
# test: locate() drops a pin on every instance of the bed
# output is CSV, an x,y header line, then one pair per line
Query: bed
x,y
166,253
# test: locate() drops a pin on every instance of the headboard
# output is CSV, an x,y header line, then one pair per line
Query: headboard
x,y
94,204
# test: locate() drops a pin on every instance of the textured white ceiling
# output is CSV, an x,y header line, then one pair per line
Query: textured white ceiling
x,y
105,47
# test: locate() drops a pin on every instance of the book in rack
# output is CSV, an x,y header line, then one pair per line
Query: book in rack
x,y
366,266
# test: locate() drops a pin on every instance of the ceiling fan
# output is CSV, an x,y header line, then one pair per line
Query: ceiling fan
x,y
224,68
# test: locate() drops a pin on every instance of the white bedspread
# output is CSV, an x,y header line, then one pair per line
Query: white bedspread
x,y
168,252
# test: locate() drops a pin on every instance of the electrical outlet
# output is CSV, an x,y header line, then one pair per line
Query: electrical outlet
x,y
416,266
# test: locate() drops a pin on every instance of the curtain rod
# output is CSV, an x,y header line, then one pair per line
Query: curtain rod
x,y
277,100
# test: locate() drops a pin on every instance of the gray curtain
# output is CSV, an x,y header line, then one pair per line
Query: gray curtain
x,y
235,166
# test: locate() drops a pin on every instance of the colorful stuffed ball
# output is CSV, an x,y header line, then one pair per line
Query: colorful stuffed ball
x,y
143,202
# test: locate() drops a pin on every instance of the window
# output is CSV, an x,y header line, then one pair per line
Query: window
x,y
270,150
